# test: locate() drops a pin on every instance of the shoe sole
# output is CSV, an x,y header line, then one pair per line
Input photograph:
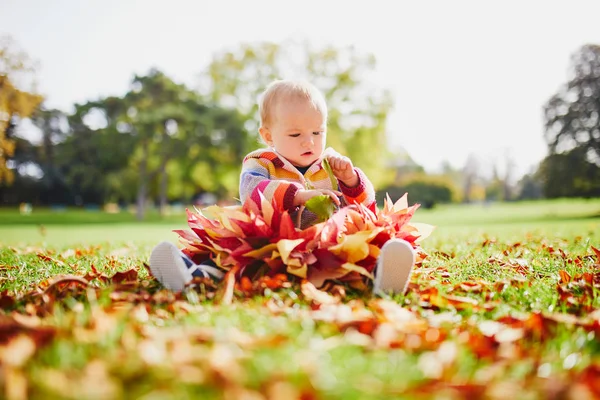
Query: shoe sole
x,y
168,267
394,267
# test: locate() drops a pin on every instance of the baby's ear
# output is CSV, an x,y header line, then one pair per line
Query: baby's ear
x,y
265,134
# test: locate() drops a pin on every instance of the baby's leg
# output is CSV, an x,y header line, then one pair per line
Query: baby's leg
x,y
174,270
394,267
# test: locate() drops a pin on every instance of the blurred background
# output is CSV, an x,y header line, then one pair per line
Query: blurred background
x,y
147,107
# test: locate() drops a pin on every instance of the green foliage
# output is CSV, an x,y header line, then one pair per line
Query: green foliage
x,y
357,110
494,190
425,190
530,187
323,206
572,122
158,140
569,175
332,178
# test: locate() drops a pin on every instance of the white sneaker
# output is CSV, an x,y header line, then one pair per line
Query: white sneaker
x,y
174,270
394,267
168,267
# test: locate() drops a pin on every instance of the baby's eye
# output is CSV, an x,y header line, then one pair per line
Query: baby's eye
x,y
295,135
317,133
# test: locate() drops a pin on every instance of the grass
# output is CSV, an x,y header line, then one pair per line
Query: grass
x,y
509,220
488,316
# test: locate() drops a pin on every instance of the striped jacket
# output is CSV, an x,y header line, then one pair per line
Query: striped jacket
x,y
266,171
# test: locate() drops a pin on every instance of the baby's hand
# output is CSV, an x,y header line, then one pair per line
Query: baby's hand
x,y
343,170
302,196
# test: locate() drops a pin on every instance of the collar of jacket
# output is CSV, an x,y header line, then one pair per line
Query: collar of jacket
x,y
316,166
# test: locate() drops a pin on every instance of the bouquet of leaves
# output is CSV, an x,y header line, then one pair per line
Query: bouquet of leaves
x,y
257,239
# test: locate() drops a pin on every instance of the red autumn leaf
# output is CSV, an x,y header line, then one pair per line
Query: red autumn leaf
x,y
351,238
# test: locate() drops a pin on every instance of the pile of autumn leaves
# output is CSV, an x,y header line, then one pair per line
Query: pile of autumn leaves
x,y
257,240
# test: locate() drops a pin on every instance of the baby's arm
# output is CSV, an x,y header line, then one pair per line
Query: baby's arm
x,y
353,182
255,178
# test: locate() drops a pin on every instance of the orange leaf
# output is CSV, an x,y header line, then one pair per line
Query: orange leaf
x,y
564,276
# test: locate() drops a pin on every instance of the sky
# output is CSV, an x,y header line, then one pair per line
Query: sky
x,y
467,77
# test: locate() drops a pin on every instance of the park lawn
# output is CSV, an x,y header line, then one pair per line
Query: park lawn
x,y
505,306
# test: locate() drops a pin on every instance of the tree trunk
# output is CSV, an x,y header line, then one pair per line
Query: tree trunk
x,y
163,189
142,193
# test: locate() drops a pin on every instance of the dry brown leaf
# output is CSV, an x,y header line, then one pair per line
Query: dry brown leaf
x,y
46,257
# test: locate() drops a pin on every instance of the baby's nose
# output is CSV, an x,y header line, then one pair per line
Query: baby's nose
x,y
309,141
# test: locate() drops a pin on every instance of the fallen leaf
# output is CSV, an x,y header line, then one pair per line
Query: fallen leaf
x,y
311,293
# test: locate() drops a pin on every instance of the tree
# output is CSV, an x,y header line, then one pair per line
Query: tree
x,y
530,187
15,104
357,110
54,127
500,186
572,122
569,174
179,136
471,174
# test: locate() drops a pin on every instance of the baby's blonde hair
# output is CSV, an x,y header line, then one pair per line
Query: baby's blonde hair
x,y
289,90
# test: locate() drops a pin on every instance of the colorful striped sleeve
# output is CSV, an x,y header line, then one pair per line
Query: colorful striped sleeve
x,y
363,193
255,178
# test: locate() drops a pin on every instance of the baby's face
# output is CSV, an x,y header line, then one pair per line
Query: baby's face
x,y
297,131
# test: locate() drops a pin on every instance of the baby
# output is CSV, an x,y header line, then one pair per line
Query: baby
x,y
288,173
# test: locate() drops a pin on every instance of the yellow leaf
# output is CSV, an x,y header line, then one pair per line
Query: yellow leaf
x,y
285,247
374,251
355,247
260,253
357,268
295,267
224,215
